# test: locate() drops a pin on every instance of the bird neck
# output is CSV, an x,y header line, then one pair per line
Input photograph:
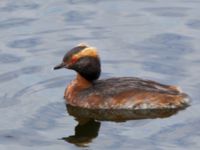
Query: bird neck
x,y
81,82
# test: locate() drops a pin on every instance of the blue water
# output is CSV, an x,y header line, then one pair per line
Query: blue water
x,y
152,39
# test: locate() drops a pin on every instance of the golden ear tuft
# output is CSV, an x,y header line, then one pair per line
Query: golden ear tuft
x,y
88,51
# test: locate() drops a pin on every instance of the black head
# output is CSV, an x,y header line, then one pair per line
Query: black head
x,y
84,60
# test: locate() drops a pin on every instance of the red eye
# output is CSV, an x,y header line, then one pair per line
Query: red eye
x,y
73,60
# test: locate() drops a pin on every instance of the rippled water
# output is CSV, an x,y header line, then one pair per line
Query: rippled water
x,y
153,39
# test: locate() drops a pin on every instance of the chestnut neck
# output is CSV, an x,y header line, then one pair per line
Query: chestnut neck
x,y
81,82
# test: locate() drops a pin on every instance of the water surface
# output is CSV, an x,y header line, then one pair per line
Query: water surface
x,y
153,39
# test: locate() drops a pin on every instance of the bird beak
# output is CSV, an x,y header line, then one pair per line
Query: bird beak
x,y
62,65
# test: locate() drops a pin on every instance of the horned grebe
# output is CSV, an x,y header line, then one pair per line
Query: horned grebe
x,y
86,91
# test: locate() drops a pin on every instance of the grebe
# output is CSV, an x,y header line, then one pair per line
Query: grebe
x,y
86,91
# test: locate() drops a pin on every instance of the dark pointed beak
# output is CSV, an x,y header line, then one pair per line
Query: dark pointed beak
x,y
60,66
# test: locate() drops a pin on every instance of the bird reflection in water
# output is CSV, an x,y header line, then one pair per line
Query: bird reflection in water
x,y
89,120
85,131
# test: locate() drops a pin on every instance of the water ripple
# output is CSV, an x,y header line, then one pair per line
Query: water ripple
x,y
13,6
164,43
158,50
163,68
25,43
14,22
26,137
78,16
6,101
9,58
168,11
5,77
194,24
179,134
38,87
81,1
45,117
